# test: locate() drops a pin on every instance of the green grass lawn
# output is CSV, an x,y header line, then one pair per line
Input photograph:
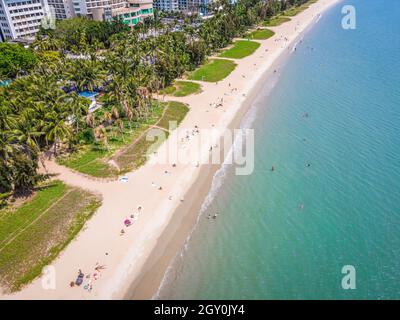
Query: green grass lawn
x,y
213,71
240,49
293,11
33,235
135,155
93,159
176,112
261,34
182,89
276,21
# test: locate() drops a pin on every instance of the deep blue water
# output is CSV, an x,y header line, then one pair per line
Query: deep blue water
x,y
263,245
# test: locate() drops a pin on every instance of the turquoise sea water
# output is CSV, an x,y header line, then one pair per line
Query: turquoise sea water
x,y
263,245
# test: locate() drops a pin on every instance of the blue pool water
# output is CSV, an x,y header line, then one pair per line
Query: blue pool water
x,y
88,94
5,83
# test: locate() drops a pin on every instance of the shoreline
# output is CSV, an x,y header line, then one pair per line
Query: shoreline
x,y
151,279
136,262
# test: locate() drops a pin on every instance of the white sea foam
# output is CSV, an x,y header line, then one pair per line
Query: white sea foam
x,y
218,180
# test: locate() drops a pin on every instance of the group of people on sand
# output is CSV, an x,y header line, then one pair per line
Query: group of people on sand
x,y
87,280
219,103
133,217
188,136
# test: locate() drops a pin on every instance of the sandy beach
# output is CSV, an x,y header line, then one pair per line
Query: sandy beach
x,y
135,262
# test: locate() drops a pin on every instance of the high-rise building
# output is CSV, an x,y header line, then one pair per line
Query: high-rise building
x,y
130,11
189,6
63,9
21,18
97,9
1,36
134,12
194,6
166,5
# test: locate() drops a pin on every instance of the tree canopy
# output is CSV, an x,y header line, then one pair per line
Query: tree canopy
x,y
15,60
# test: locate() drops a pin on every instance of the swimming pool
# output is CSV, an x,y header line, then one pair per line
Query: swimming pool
x,y
88,94
5,83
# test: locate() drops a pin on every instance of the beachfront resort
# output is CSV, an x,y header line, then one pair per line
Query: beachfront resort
x,y
77,103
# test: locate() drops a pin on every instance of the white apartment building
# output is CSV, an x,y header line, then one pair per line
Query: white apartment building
x,y
131,11
166,5
134,12
194,6
97,9
21,18
182,5
63,9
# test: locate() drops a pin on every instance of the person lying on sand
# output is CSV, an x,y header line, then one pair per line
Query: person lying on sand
x,y
99,267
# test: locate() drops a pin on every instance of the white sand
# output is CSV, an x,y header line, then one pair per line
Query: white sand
x,y
127,254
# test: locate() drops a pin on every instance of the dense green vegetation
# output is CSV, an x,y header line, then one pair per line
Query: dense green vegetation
x,y
32,235
288,9
275,21
298,7
41,112
79,34
135,155
15,60
182,88
261,34
122,146
295,11
93,158
240,49
213,71
175,112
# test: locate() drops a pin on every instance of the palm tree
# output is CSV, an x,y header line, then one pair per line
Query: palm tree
x,y
28,131
114,112
56,131
86,74
143,98
90,120
129,115
101,134
120,126
107,118
79,107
